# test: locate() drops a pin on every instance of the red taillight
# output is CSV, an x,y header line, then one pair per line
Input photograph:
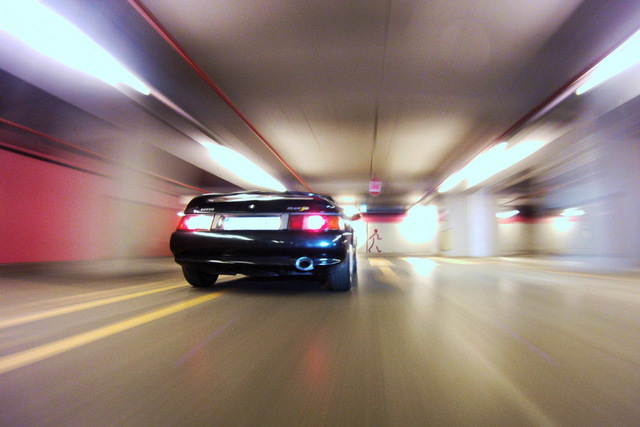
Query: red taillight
x,y
195,222
316,222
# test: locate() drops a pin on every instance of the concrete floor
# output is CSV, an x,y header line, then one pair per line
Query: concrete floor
x,y
419,341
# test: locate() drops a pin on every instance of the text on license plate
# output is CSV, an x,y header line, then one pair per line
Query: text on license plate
x,y
252,223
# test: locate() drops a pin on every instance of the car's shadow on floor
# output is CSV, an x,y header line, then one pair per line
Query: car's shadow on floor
x,y
268,285
271,285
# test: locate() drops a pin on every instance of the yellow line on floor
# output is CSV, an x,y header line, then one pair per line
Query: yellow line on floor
x,y
378,262
79,307
389,273
455,261
28,357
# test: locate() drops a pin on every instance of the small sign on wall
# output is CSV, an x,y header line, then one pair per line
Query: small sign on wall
x,y
375,186
373,242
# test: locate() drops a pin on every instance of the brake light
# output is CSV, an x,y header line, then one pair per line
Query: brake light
x,y
316,222
195,222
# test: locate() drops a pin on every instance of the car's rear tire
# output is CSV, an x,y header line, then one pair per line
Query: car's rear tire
x,y
199,279
340,277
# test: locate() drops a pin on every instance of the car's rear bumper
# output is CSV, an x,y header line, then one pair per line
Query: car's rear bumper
x,y
261,252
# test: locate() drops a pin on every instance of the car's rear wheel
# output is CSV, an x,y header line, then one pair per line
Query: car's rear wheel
x,y
198,278
340,277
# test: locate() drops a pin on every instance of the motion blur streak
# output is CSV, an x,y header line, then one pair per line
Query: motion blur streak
x,y
244,168
27,357
50,34
624,57
148,16
78,307
524,342
202,345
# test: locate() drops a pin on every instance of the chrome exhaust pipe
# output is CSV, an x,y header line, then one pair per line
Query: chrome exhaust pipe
x,y
304,264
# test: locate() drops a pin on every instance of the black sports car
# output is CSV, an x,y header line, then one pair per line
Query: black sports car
x,y
260,233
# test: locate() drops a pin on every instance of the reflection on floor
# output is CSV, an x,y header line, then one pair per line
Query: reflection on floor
x,y
418,341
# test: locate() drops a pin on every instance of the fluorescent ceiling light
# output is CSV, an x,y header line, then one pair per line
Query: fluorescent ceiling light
x,y
345,199
242,167
490,162
451,182
421,224
507,214
562,224
479,169
625,56
350,210
52,35
572,212
521,151
485,165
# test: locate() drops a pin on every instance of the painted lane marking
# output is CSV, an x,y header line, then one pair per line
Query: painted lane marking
x,y
389,273
455,261
28,357
378,262
79,307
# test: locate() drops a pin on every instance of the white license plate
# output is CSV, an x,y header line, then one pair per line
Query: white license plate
x,y
252,223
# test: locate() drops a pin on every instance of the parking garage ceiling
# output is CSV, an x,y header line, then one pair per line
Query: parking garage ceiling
x,y
322,95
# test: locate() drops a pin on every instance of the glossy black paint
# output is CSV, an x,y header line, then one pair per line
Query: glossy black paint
x,y
262,252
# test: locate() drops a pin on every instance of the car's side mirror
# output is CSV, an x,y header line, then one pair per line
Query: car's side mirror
x,y
355,217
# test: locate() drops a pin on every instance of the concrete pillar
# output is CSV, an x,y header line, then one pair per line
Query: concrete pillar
x,y
470,224
607,193
617,226
482,224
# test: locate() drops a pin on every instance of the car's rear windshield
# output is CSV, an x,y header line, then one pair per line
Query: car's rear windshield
x,y
262,202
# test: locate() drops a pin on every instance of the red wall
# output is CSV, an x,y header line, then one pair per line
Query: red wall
x,y
50,212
